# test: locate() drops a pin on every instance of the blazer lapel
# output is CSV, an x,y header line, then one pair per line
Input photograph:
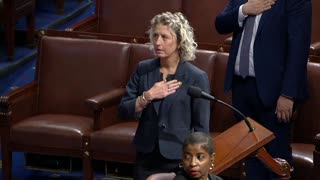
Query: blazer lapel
x,y
180,76
266,16
154,76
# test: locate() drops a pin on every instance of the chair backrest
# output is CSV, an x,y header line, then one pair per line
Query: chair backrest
x,y
222,116
204,58
16,8
315,34
1,9
131,17
138,52
205,61
201,15
307,124
88,67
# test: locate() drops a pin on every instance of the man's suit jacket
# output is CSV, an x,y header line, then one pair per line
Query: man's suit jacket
x,y
171,119
280,50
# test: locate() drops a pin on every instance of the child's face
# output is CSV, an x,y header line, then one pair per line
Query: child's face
x,y
196,161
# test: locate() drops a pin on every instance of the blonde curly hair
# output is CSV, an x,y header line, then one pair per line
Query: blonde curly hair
x,y
181,29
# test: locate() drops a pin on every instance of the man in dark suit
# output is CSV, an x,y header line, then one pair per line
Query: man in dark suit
x,y
267,66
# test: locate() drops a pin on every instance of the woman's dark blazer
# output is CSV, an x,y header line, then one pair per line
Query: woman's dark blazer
x,y
184,176
171,119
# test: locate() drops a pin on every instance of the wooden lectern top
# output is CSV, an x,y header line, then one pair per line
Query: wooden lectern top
x,y
238,142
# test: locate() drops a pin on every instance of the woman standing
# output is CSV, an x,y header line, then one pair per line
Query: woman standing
x,y
156,95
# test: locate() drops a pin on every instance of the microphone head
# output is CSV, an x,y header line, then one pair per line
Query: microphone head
x,y
194,91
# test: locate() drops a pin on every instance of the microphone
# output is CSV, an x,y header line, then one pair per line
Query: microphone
x,y
196,92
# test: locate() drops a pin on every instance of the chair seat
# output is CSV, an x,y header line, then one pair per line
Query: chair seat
x,y
303,160
115,139
52,130
303,153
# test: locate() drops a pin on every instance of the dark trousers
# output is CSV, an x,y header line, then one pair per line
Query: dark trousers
x,y
150,163
245,97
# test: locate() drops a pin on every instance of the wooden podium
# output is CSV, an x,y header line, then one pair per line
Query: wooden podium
x,y
238,142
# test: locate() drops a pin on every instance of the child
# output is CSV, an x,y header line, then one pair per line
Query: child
x,y
198,157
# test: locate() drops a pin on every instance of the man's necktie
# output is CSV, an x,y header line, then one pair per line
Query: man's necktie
x,y
245,47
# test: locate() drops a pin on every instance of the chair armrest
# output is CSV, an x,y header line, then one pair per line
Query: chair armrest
x,y
228,41
225,47
315,49
89,24
316,152
315,59
18,104
99,102
104,101
317,142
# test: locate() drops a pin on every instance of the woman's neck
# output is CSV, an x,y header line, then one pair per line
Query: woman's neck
x,y
169,65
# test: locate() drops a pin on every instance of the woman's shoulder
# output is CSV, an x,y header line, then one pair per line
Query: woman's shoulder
x,y
148,64
214,177
183,176
193,68
180,177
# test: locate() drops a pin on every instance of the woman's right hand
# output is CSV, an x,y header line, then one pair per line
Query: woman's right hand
x,y
162,89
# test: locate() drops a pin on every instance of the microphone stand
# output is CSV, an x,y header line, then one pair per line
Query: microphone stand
x,y
251,128
231,149
196,92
